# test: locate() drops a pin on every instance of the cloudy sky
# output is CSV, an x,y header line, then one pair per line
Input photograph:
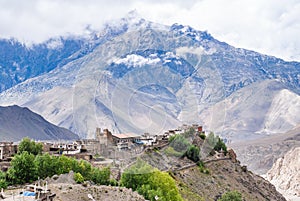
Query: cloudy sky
x,y
268,26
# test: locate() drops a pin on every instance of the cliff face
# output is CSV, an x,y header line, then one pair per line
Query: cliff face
x,y
285,174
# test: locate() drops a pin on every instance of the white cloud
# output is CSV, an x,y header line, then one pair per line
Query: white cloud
x,y
268,26
136,60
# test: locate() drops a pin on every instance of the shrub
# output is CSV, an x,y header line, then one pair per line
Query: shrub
x,y
193,153
30,146
231,196
202,136
180,143
3,182
220,145
100,176
171,152
150,182
202,168
78,178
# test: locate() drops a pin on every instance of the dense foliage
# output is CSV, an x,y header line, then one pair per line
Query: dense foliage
x,y
179,143
231,196
23,169
27,167
30,146
220,145
192,153
150,182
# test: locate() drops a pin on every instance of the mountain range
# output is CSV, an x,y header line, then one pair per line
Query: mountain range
x,y
139,76
17,122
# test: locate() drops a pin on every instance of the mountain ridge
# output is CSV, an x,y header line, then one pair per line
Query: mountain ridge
x,y
196,70
19,122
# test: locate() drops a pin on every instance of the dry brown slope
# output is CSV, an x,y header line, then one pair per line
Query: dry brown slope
x,y
224,176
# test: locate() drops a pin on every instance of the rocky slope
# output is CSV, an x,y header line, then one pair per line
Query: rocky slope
x,y
224,175
17,122
259,155
285,174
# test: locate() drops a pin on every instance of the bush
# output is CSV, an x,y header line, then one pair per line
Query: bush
x,y
202,168
202,136
220,145
113,182
3,182
78,178
100,176
23,169
171,152
150,182
231,196
30,146
180,143
193,153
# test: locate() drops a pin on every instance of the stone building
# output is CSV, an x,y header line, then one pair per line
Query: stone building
x,y
7,149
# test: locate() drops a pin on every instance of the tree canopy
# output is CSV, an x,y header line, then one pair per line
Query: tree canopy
x,y
150,182
30,146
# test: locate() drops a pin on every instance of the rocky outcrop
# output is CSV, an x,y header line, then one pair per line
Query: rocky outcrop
x,y
285,174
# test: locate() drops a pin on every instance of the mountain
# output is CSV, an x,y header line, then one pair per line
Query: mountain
x,y
285,174
147,77
260,154
17,122
262,108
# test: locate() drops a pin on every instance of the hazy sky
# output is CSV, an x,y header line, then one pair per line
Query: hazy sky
x,y
268,26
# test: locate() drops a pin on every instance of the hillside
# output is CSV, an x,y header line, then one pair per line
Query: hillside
x,y
259,155
17,122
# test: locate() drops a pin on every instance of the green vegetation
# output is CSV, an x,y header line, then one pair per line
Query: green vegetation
x,y
101,176
150,182
212,144
220,145
78,178
202,168
23,169
192,153
171,152
202,136
189,133
231,196
179,143
29,164
3,182
30,146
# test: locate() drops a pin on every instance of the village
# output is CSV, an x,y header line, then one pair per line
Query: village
x,y
106,148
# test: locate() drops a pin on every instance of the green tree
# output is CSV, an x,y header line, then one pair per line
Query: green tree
x,y
30,146
150,182
192,153
23,168
46,165
65,164
101,176
231,196
83,167
3,182
189,133
220,145
179,143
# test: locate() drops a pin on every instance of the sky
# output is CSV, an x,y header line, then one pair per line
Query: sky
x,y
268,26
